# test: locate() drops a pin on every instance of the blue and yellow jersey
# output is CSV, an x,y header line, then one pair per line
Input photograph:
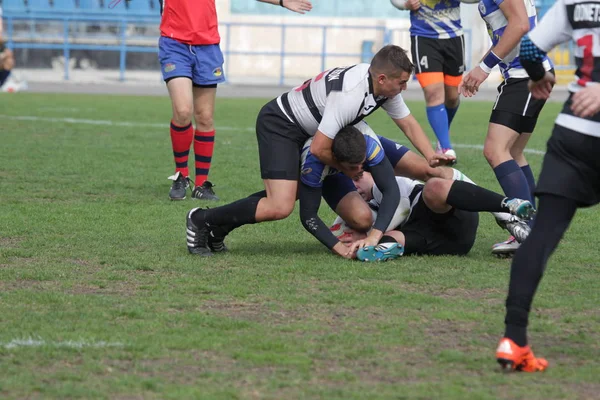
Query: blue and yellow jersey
x,y
496,23
437,19
313,172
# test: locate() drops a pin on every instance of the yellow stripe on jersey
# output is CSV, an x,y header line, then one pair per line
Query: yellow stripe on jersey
x,y
374,153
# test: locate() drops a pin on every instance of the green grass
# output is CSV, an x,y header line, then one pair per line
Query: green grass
x,y
92,251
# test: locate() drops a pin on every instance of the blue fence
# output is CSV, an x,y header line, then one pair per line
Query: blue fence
x,y
68,15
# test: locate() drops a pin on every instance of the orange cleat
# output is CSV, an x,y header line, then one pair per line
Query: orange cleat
x,y
515,358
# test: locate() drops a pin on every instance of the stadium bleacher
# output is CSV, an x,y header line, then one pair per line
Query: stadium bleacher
x,y
128,8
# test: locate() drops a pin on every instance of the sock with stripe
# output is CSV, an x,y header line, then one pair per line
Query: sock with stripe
x,y
204,144
181,141
513,181
438,119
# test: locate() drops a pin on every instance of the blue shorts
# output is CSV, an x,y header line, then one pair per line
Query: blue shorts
x,y
393,151
202,64
335,187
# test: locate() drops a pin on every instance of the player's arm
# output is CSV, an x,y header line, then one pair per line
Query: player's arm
x,y
310,200
411,5
413,131
385,180
517,26
321,148
340,110
553,29
299,6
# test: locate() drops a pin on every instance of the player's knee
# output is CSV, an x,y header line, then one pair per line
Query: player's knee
x,y
361,219
452,99
182,114
436,191
490,153
204,120
280,210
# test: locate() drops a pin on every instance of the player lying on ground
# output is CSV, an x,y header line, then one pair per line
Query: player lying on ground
x,y
570,176
436,218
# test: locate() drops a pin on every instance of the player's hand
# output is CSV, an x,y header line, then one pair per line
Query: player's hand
x,y
471,82
344,250
542,88
586,102
439,160
413,5
299,6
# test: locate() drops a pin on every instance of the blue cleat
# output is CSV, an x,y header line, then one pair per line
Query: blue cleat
x,y
381,252
521,208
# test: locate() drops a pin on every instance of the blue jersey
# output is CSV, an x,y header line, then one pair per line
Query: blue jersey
x,y
313,172
437,19
496,24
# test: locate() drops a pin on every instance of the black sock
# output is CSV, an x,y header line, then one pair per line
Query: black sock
x,y
516,322
468,197
555,214
230,216
224,230
387,239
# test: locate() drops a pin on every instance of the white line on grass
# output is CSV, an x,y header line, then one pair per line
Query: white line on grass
x,y
155,125
73,344
104,122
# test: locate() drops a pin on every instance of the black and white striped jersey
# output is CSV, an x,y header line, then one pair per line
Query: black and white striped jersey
x,y
337,98
578,20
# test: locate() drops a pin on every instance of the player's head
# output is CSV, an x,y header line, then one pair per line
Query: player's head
x,y
349,148
390,70
364,185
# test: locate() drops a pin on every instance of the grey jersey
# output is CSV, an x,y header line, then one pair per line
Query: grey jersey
x,y
336,98
578,20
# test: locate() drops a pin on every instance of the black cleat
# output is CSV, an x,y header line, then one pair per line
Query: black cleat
x,y
205,192
179,187
197,236
216,237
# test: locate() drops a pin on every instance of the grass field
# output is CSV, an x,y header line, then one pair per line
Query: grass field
x,y
100,299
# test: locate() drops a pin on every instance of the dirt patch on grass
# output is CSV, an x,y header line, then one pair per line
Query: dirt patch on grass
x,y
10,242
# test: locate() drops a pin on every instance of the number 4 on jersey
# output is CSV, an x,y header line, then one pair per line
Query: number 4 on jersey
x,y
424,63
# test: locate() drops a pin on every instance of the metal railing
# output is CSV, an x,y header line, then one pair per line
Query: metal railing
x,y
124,43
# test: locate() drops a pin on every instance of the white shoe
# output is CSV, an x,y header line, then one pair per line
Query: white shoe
x,y
506,249
448,152
13,85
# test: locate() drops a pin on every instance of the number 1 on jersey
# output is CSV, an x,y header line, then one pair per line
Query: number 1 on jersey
x,y
587,64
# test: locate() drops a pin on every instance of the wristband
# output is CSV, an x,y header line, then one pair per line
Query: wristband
x,y
281,3
489,62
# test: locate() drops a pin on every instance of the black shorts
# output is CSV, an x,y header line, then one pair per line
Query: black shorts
x,y
515,107
438,55
571,167
429,233
280,142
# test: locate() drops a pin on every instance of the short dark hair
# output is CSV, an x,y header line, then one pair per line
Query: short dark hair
x,y
391,60
349,145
